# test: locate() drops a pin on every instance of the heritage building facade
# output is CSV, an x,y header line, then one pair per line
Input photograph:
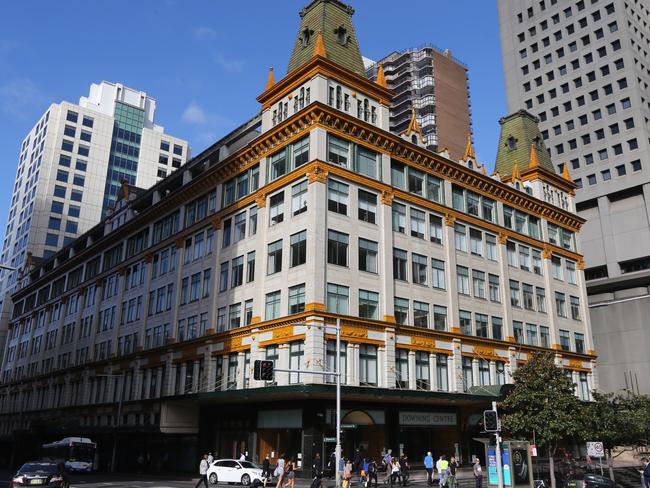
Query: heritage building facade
x,y
445,281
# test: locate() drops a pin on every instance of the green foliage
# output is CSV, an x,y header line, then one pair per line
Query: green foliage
x,y
543,401
617,420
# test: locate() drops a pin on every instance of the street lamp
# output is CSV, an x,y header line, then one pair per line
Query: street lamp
x,y
119,413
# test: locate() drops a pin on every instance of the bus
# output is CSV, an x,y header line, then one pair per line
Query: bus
x,y
77,453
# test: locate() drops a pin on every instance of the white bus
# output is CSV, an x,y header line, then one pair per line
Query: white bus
x,y
77,453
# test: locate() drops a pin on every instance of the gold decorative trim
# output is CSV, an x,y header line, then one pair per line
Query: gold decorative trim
x,y
387,197
455,330
390,318
510,339
556,347
450,220
260,200
354,332
315,307
580,264
547,253
179,243
148,258
317,175
255,319
484,351
502,238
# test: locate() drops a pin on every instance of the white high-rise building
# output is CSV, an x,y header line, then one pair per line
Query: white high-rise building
x,y
70,168
583,68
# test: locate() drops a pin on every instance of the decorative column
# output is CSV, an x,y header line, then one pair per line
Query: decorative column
x,y
511,365
260,257
450,271
385,257
493,372
282,379
196,366
550,304
181,388
159,380
433,372
180,259
455,367
352,354
314,351
411,370
504,288
148,260
316,271
138,377
147,383
390,339
476,380
170,379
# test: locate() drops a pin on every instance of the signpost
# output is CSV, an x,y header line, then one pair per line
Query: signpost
x,y
596,450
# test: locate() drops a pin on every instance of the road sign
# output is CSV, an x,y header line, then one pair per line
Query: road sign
x,y
595,449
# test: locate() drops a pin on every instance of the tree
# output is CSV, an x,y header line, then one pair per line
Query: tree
x,y
543,401
617,421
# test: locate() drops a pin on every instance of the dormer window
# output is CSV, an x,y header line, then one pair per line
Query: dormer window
x,y
306,36
537,140
470,165
511,143
342,36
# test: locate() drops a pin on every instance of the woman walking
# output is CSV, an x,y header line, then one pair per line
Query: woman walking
x,y
394,471
279,471
290,474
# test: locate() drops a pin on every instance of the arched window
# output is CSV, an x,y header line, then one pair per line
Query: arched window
x,y
366,112
359,109
339,97
308,97
302,97
295,104
414,139
470,165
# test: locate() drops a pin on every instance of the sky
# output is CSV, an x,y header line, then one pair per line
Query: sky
x,y
205,61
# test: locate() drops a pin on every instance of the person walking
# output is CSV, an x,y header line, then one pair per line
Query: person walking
x,y
441,465
372,473
453,468
317,466
387,462
646,472
404,469
478,473
203,472
394,471
279,471
347,473
290,474
428,466
266,468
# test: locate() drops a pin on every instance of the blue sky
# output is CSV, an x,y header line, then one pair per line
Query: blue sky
x,y
206,61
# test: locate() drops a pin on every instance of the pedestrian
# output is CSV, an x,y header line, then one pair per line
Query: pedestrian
x,y
317,466
331,465
404,469
441,465
387,462
478,473
266,468
356,461
203,472
279,471
210,459
347,473
290,474
372,473
646,472
428,466
453,468
394,471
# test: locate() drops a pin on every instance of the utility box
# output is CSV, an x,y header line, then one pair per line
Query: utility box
x,y
516,463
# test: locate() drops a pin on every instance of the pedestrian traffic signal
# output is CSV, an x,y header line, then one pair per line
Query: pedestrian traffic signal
x,y
491,421
263,370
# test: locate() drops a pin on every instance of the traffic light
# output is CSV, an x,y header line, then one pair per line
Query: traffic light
x,y
491,421
263,370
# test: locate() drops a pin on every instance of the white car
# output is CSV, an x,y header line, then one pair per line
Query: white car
x,y
233,471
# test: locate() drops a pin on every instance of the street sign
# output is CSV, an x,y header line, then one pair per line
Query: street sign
x,y
329,439
595,449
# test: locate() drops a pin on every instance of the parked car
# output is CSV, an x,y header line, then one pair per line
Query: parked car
x,y
234,471
43,475
589,480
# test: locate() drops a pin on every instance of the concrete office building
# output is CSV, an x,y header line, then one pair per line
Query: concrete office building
x,y
434,84
445,281
70,169
582,68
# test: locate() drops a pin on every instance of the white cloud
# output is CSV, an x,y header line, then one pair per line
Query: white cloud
x,y
203,33
229,65
19,97
194,114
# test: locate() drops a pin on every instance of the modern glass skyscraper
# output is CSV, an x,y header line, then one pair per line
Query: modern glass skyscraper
x,y
70,168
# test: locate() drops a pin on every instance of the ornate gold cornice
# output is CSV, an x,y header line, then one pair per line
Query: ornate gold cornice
x,y
317,175
260,200
387,197
450,220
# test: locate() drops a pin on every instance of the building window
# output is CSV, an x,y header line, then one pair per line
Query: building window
x,y
368,364
296,356
579,342
560,304
439,317
575,307
442,374
274,259
272,305
565,340
417,223
367,206
478,283
514,294
518,328
367,255
400,263
401,368
497,328
338,151
337,298
481,322
462,278
468,374
337,197
494,288
435,229
299,198
460,237
401,307
276,208
438,273
337,248
419,268
368,304
297,299
298,249
250,267
399,217
465,322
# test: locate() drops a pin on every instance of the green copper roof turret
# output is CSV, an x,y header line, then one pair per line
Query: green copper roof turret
x,y
518,132
334,20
